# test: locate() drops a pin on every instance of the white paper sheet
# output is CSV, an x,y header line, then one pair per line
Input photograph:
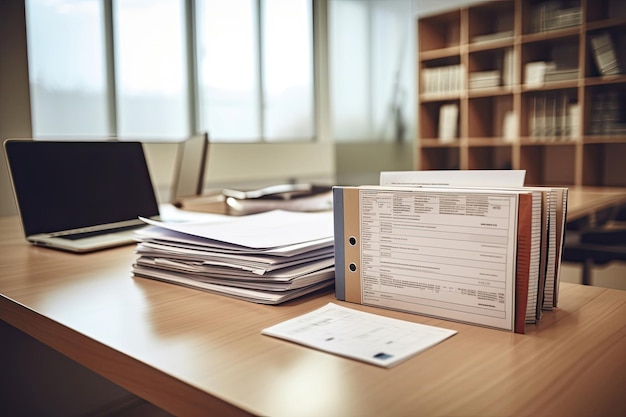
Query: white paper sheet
x,y
265,230
454,178
370,338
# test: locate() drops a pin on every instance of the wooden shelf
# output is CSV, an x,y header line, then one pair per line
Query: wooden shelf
x,y
488,142
552,85
439,53
569,129
439,97
546,141
604,139
435,143
605,80
556,34
606,24
490,91
491,44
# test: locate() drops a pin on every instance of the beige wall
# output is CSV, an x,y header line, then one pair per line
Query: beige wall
x,y
250,164
14,92
361,163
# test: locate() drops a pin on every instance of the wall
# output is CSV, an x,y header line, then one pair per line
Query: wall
x,y
361,163
232,165
14,91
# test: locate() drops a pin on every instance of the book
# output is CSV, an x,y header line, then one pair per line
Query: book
x,y
554,74
608,117
509,126
485,79
555,14
508,67
443,80
534,73
573,117
448,122
604,54
555,117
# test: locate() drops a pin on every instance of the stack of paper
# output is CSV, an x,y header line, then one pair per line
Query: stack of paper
x,y
266,258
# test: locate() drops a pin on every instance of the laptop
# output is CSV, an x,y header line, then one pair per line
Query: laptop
x,y
80,196
189,171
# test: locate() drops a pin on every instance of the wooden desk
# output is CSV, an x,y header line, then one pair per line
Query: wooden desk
x,y
588,201
191,352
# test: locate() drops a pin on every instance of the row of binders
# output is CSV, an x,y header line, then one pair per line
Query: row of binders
x,y
443,80
488,256
555,14
609,113
266,258
554,116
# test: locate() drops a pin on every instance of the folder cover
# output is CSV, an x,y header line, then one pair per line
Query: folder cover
x,y
457,254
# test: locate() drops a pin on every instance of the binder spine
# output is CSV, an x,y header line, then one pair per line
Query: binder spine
x,y
340,255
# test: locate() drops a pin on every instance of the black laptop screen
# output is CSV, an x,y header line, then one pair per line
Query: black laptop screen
x,y
69,185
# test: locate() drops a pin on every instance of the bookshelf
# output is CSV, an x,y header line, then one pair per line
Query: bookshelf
x,y
538,85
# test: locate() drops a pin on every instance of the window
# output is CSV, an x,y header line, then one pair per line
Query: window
x,y
372,73
128,68
152,90
67,67
228,78
255,69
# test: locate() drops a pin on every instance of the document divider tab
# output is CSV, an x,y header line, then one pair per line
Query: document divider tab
x,y
446,253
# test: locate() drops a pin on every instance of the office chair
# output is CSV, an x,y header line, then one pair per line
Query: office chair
x,y
597,245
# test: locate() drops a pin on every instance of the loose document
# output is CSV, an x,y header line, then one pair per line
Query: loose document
x,y
267,258
370,338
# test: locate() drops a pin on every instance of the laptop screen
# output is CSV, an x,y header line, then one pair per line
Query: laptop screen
x,y
69,185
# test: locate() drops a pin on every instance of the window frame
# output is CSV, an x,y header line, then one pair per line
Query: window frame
x,y
318,9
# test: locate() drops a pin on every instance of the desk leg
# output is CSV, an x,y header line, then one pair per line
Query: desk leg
x,y
587,268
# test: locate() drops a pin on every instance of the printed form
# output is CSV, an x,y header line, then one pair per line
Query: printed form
x,y
446,253
371,338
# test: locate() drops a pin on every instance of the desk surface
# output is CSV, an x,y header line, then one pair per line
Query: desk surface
x,y
189,351
586,201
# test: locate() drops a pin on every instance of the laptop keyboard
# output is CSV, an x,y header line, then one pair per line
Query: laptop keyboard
x,y
83,235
